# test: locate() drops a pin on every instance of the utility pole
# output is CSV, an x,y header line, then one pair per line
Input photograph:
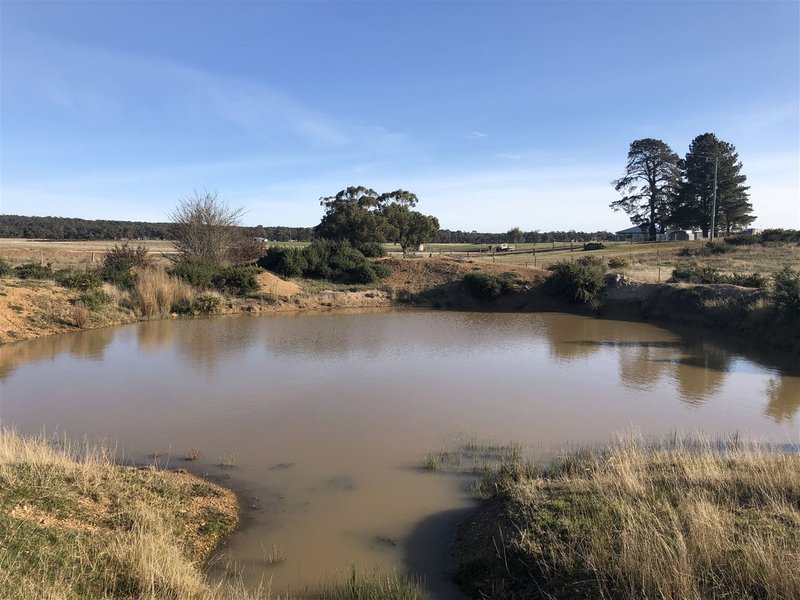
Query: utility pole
x,y
714,201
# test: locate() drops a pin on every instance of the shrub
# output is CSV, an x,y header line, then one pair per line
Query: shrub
x,y
786,290
323,259
575,283
718,247
33,270
780,235
694,273
246,250
286,262
95,299
591,261
204,304
237,280
80,315
119,262
752,280
742,240
487,286
594,246
5,269
196,273
617,262
371,249
79,280
381,270
207,304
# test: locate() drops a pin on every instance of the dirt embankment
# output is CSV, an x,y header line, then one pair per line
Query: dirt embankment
x,y
30,309
726,308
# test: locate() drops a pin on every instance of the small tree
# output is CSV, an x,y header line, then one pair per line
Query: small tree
x,y
205,228
515,235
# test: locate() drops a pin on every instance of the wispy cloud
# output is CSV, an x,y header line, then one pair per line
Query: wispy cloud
x,y
477,135
86,79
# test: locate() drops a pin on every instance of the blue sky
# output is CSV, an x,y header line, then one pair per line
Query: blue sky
x,y
496,114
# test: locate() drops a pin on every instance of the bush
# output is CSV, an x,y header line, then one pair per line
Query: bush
x,y
575,283
119,262
617,262
207,304
780,235
196,273
286,262
237,280
486,286
381,270
591,261
371,249
5,269
786,291
33,270
742,240
594,246
79,280
718,248
95,299
204,304
751,280
323,259
246,250
694,273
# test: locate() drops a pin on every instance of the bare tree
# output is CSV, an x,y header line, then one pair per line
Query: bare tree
x,y
205,227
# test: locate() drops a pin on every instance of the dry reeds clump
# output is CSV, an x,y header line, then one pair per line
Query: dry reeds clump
x,y
155,293
680,520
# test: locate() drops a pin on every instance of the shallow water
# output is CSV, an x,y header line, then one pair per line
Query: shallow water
x,y
323,420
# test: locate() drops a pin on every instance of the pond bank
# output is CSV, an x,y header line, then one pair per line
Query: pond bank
x,y
688,520
74,524
34,308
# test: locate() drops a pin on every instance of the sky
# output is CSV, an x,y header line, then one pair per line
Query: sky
x,y
496,114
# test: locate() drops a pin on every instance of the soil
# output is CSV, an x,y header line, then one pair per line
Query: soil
x,y
35,308
416,275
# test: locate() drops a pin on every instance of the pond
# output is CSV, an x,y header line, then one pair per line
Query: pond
x,y
323,421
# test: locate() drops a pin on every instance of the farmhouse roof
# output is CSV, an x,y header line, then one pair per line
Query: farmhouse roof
x,y
634,229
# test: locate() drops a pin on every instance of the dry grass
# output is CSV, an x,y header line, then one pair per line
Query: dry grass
x,y
155,293
681,520
75,525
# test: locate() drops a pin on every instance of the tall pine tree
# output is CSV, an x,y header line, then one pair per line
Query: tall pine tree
x,y
693,205
651,180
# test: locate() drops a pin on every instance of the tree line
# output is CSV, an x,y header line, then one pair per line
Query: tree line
x,y
65,228
705,190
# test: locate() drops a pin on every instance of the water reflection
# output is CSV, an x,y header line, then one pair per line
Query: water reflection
x,y
695,366
784,398
90,345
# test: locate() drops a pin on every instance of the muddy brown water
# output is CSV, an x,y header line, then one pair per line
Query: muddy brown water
x,y
322,421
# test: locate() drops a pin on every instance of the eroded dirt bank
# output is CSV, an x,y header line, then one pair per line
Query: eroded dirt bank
x,y
30,309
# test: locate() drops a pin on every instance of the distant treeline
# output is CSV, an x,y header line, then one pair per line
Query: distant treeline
x,y
445,236
64,228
